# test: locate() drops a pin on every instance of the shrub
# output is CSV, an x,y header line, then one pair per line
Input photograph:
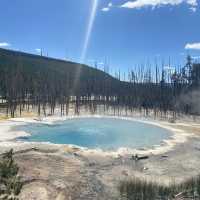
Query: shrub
x,y
10,181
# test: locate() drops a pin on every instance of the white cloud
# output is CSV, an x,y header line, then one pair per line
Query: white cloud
x,y
193,9
38,50
192,2
4,44
194,46
157,3
101,63
106,9
110,4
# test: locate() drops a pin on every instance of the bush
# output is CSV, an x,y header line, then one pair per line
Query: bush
x,y
10,181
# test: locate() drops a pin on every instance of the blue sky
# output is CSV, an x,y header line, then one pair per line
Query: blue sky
x,y
121,32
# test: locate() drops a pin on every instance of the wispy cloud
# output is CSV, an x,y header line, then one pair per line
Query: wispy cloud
x,y
106,9
193,9
38,50
194,46
137,4
4,44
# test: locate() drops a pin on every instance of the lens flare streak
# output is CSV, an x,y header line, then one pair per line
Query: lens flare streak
x,y
89,29
90,25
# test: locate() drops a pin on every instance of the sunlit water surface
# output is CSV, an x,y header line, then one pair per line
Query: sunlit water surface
x,y
104,133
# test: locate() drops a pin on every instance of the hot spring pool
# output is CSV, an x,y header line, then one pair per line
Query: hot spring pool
x,y
104,133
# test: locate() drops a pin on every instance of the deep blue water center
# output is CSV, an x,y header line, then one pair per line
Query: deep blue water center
x,y
104,133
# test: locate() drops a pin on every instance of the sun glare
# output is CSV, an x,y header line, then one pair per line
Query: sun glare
x,y
92,15
94,5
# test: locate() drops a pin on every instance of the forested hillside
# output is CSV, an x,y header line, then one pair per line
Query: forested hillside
x,y
31,81
35,70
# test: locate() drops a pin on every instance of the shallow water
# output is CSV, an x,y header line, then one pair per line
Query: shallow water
x,y
104,133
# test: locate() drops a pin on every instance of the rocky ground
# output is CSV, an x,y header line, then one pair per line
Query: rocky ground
x,y
58,172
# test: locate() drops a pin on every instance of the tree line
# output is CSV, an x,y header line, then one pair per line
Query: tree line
x,y
29,82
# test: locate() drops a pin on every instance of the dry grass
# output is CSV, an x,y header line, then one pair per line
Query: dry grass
x,y
137,189
69,149
29,114
2,118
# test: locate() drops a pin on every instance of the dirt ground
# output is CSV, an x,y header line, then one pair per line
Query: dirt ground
x,y
64,173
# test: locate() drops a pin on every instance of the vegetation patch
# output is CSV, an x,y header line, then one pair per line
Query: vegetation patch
x,y
10,181
137,189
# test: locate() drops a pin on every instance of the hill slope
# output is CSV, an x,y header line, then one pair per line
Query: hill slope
x,y
40,70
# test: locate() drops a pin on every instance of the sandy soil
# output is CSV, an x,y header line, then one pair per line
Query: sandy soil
x,y
64,172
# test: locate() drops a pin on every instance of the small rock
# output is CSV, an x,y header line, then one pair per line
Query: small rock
x,y
125,173
92,164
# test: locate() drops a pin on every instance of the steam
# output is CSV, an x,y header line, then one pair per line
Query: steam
x,y
191,101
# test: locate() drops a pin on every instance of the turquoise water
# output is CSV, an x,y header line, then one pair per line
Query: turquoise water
x,y
104,133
